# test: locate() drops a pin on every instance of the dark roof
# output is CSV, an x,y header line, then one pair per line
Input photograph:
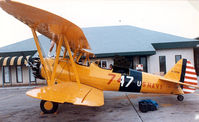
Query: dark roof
x,y
116,40
19,53
170,45
127,40
25,47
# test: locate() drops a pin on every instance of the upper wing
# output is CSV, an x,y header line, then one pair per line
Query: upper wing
x,y
177,82
47,23
69,92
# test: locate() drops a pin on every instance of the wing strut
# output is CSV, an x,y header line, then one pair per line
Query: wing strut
x,y
72,61
52,80
79,57
65,51
40,53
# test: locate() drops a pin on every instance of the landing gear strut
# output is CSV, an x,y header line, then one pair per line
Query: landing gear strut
x,y
48,107
180,98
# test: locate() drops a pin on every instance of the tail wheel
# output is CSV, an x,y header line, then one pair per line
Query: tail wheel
x,y
180,98
48,107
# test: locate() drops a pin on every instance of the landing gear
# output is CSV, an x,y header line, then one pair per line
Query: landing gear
x,y
48,107
180,98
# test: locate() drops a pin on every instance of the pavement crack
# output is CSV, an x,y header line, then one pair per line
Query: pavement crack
x,y
134,108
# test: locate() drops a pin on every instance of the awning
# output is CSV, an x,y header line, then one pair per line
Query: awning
x,y
15,60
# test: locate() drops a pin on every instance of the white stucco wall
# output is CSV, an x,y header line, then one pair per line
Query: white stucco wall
x,y
25,75
25,72
1,77
13,74
153,61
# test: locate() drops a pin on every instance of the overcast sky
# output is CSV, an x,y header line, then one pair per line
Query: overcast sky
x,y
177,17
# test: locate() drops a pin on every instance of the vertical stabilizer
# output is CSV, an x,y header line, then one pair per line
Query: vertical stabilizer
x,y
184,72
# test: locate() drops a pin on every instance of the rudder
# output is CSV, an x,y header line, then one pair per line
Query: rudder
x,y
190,77
183,71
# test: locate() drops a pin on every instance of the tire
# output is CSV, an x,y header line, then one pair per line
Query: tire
x,y
180,98
48,107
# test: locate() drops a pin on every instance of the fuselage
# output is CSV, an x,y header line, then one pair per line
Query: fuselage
x,y
107,80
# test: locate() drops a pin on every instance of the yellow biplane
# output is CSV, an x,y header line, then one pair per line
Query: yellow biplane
x,y
68,81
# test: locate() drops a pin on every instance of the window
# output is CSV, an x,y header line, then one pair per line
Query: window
x,y
162,60
143,60
104,64
31,76
6,75
177,58
19,74
99,63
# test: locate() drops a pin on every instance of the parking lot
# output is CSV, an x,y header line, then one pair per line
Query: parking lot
x,y
119,107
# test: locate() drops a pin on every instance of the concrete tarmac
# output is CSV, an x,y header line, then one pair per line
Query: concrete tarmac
x,y
119,107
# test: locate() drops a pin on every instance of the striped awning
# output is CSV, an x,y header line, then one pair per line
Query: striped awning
x,y
15,60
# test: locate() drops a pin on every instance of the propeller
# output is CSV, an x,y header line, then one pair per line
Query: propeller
x,y
34,65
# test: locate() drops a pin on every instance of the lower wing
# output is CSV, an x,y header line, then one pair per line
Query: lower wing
x,y
69,92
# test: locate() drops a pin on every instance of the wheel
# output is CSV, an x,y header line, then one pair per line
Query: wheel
x,y
48,107
180,98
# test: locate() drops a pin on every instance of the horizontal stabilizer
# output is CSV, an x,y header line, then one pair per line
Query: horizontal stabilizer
x,y
69,92
177,82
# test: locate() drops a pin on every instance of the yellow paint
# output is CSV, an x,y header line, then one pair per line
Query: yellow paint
x,y
65,51
175,72
47,23
79,57
92,75
169,84
69,92
153,84
52,80
5,61
12,60
78,84
48,105
74,55
40,55
72,61
101,78
178,82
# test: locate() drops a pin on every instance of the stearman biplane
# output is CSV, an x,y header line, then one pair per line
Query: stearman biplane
x,y
68,81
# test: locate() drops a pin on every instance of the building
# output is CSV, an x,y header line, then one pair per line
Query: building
x,y
14,59
157,51
124,46
14,70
